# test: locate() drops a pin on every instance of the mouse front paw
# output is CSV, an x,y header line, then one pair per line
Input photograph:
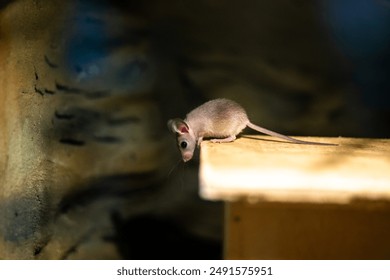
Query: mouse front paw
x,y
200,139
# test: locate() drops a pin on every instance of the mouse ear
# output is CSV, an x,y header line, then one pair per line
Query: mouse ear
x,y
178,125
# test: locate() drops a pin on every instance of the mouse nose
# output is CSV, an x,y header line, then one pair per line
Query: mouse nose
x,y
187,157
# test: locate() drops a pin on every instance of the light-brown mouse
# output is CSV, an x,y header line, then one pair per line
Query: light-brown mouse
x,y
219,119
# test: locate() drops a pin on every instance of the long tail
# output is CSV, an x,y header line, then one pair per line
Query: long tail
x,y
275,134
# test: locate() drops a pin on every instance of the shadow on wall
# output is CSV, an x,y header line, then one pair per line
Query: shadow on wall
x,y
150,238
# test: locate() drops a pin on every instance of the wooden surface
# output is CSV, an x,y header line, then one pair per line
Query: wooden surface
x,y
262,168
291,201
306,231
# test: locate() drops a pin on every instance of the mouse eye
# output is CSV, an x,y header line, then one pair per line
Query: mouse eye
x,y
183,144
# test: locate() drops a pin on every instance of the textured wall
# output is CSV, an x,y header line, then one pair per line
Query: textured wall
x,y
77,145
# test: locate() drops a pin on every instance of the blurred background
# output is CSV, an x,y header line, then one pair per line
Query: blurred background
x,y
88,168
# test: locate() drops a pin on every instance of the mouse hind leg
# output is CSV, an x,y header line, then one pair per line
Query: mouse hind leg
x,y
231,138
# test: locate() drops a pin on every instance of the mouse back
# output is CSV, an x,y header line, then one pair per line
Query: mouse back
x,y
217,118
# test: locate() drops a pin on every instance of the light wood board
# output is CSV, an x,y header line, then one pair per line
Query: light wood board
x,y
262,168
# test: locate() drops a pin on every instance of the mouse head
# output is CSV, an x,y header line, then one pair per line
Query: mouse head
x,y
185,138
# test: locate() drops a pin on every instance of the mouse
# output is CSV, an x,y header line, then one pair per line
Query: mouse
x,y
220,120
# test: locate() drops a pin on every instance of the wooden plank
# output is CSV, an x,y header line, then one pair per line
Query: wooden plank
x,y
306,231
262,168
